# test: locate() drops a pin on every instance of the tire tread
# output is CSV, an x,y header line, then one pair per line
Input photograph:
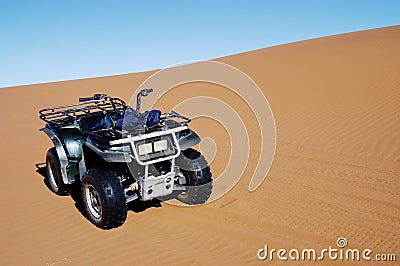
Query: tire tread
x,y
201,184
115,207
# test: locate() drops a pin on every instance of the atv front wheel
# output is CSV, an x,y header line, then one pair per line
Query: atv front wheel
x,y
54,177
103,198
197,173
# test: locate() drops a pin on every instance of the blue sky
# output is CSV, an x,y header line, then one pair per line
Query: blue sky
x,y
44,41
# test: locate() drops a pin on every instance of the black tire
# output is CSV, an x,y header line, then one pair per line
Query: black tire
x,y
54,177
103,198
198,177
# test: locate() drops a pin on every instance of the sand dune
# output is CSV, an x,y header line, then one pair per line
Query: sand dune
x,y
336,103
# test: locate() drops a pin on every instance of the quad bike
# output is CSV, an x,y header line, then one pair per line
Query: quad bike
x,y
115,154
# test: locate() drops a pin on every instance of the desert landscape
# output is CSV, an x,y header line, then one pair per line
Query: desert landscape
x,y
336,104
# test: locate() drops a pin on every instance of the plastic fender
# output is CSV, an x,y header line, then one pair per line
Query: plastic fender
x,y
188,140
68,143
72,139
61,153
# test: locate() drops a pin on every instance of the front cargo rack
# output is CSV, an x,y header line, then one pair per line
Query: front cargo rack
x,y
68,114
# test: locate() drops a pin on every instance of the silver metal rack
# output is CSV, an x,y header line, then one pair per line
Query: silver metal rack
x,y
68,114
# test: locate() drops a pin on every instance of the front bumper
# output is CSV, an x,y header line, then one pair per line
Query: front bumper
x,y
156,186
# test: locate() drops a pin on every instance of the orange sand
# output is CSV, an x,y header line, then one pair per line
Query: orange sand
x,y
336,102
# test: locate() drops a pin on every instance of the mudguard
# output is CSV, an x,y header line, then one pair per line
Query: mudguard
x,y
61,153
187,138
68,143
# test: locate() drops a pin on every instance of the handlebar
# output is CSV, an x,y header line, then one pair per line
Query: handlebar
x,y
95,97
146,92
142,93
85,99
173,114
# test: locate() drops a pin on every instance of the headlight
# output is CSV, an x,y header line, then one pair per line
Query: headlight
x,y
145,148
160,145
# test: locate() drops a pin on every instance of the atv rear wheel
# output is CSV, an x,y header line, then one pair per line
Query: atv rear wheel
x,y
103,198
54,177
198,177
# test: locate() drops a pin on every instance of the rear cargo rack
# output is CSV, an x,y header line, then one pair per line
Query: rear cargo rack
x,y
68,114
